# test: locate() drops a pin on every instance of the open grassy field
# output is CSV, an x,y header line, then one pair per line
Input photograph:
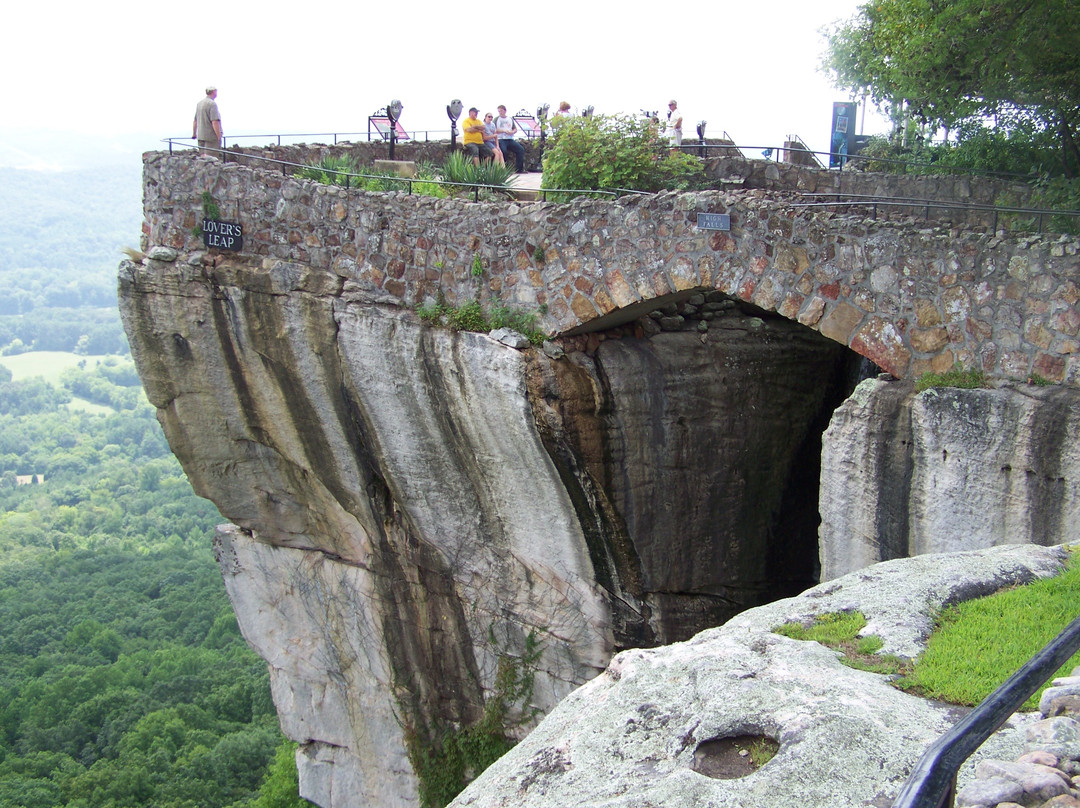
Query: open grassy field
x,y
49,365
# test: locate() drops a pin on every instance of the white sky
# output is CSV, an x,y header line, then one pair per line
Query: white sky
x,y
132,71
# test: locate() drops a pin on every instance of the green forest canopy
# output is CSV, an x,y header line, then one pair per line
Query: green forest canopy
x,y
124,680
61,235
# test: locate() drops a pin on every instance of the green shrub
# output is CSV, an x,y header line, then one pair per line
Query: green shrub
x,y
462,754
468,317
1058,193
471,316
613,153
331,170
957,377
426,182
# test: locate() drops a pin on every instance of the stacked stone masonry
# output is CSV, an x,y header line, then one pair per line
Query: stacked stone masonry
x,y
1047,775
910,296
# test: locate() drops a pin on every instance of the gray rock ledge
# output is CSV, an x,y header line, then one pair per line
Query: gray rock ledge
x,y
847,738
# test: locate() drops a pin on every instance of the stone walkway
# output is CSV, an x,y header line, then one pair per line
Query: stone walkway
x,y
526,186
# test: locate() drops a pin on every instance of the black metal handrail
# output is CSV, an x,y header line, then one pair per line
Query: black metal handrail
x,y
932,783
406,181
188,143
415,136
926,205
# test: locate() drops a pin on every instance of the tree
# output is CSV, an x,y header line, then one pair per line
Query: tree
x,y
281,788
954,62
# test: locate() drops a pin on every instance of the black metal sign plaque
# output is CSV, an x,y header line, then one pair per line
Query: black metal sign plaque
x,y
714,221
223,235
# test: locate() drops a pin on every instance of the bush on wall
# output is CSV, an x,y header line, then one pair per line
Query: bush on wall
x,y
615,152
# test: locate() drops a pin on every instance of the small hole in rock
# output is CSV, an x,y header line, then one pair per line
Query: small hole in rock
x,y
737,756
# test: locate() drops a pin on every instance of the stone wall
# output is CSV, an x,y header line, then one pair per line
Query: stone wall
x,y
911,298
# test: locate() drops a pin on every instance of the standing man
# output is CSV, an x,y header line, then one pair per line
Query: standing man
x,y
473,138
505,129
206,128
674,124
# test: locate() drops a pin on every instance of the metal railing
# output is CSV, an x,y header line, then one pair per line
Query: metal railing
x,y
932,783
372,136
837,199
407,183
927,205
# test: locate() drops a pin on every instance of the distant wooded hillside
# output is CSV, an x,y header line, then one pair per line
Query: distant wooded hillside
x,y
61,235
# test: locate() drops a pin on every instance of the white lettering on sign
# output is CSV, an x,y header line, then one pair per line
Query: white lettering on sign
x,y
224,242
714,221
223,235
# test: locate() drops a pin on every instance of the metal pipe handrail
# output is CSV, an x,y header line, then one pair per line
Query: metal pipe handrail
x,y
863,200
932,783
188,143
415,136
408,181
773,150
938,203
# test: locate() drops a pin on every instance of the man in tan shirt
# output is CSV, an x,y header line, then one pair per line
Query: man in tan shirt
x,y
206,128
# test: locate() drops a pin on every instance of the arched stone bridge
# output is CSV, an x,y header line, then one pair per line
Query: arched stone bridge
x,y
910,297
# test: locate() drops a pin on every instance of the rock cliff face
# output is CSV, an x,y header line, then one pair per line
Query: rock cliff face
x,y
947,469
414,507
418,512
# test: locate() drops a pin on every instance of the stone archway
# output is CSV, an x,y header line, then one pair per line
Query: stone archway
x,y
692,438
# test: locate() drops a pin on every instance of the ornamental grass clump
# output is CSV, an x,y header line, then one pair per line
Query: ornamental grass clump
x,y
460,169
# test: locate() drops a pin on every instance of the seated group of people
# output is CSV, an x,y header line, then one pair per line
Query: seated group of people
x,y
492,138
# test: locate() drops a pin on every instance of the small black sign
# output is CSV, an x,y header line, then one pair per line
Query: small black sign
x,y
222,235
714,221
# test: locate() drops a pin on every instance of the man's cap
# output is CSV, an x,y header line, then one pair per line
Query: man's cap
x,y
473,109
210,88
673,102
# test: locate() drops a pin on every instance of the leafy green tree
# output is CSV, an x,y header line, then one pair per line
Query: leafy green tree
x,y
953,62
615,152
281,788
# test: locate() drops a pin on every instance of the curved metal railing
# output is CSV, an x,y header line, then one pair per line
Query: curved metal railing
x,y
849,200
407,183
932,783
926,205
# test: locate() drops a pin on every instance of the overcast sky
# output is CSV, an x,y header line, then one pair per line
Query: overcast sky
x,y
131,72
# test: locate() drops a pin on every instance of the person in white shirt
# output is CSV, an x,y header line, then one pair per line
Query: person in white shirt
x,y
674,124
505,129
